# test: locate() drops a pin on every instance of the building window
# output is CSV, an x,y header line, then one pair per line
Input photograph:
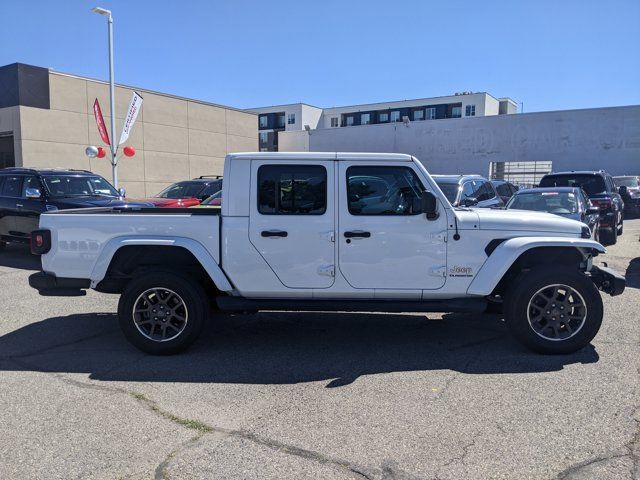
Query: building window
x,y
431,113
365,119
349,121
418,115
395,116
264,121
264,137
470,111
291,118
335,121
280,120
292,190
456,112
384,117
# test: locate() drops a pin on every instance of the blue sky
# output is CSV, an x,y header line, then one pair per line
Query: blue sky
x,y
551,55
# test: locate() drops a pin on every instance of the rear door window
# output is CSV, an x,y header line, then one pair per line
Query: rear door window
x,y
11,187
292,189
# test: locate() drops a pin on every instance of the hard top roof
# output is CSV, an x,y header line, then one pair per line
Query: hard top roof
x,y
578,172
547,189
350,156
45,171
456,178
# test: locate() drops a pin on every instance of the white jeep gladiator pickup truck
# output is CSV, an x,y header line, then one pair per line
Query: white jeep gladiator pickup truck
x,y
328,232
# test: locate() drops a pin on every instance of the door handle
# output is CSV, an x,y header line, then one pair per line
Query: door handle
x,y
357,234
19,205
273,233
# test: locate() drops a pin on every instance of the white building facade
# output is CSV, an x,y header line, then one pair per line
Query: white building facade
x,y
300,116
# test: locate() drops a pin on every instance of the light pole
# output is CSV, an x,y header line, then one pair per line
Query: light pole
x,y
112,93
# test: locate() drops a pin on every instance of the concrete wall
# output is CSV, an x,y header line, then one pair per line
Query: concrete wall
x,y
10,123
607,138
175,138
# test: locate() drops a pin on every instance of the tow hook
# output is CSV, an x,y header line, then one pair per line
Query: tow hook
x,y
608,280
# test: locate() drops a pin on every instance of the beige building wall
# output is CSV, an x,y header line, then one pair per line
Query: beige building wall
x,y
175,138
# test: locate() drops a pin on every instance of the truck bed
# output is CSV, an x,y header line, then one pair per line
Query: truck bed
x,y
83,240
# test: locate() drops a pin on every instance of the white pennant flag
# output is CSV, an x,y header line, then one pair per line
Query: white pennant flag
x,y
132,114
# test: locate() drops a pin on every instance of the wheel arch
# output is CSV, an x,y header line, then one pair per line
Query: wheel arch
x,y
122,258
513,255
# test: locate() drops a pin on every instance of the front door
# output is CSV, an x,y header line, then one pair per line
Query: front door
x,y
292,220
384,242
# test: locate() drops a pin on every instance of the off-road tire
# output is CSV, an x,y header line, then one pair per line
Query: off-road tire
x,y
189,292
525,287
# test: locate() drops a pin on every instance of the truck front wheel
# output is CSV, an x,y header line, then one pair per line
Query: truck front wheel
x,y
162,312
553,309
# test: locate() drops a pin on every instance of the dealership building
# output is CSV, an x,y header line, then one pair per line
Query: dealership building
x,y
47,121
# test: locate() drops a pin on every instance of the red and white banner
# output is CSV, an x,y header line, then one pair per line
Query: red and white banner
x,y
102,128
130,119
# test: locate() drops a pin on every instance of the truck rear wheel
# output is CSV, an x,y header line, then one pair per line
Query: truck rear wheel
x,y
553,309
162,312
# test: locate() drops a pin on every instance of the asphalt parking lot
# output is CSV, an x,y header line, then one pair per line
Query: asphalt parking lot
x,y
308,395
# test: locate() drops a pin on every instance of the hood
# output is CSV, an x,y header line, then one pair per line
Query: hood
x,y
81,202
172,202
519,220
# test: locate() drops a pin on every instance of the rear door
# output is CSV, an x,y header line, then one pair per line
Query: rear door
x,y
292,222
384,242
9,204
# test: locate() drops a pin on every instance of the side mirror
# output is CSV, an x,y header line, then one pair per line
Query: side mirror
x,y
623,190
33,193
470,202
122,191
429,205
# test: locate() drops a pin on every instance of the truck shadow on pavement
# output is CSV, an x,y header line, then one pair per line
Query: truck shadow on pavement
x,y
19,256
281,348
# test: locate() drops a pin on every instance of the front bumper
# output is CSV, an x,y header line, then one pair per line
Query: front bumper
x,y
49,285
608,280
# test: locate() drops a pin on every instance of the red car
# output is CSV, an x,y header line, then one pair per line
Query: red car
x,y
187,193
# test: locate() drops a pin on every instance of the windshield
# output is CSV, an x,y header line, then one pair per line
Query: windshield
x,y
560,203
631,182
450,191
591,184
182,190
213,197
78,186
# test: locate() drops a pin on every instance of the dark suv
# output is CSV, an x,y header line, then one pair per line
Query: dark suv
x,y
602,192
468,191
25,193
